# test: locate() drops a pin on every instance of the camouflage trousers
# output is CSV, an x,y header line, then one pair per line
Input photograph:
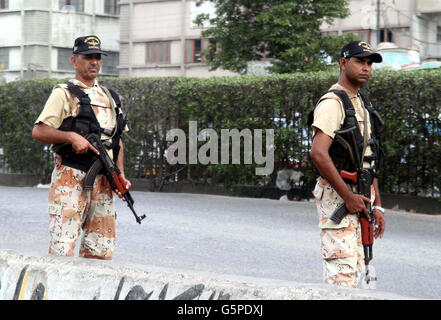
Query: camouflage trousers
x,y
72,210
341,245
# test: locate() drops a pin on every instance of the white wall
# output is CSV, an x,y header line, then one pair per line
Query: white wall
x,y
202,71
156,20
107,29
10,29
157,72
43,29
363,15
175,52
429,6
67,26
160,21
15,4
15,58
33,4
139,54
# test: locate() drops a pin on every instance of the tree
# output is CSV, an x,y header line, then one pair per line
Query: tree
x,y
285,31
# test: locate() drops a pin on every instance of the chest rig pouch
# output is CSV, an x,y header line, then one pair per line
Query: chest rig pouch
x,y
341,148
85,123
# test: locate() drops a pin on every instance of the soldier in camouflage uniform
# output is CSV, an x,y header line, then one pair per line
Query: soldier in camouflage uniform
x,y
341,245
72,209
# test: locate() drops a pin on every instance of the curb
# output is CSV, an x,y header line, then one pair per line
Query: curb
x,y
63,278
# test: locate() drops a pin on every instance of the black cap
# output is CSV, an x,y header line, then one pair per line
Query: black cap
x,y
360,49
88,45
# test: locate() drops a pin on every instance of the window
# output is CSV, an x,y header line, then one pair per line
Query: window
x,y
63,59
194,48
438,34
4,4
4,58
385,35
193,51
111,7
158,52
205,44
110,63
71,5
364,35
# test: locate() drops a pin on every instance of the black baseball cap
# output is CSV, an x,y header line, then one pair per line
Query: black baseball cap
x,y
360,49
88,45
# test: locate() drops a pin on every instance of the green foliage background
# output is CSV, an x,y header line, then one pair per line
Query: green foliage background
x,y
287,32
408,101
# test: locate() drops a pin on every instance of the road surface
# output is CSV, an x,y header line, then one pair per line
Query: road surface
x,y
236,236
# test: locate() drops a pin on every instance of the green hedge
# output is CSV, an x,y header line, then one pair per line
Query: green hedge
x,y
21,103
409,102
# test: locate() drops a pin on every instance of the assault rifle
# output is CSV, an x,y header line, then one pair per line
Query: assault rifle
x,y
363,179
111,171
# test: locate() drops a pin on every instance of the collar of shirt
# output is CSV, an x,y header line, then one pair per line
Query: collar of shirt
x,y
338,86
82,85
357,102
95,93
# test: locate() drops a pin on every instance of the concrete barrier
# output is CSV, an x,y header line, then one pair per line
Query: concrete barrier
x,y
62,278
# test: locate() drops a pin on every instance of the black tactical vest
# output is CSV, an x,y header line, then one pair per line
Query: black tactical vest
x,y
340,150
85,123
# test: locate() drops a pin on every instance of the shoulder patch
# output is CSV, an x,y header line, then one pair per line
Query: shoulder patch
x,y
330,95
73,101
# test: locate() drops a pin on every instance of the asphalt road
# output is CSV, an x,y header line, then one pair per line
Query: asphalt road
x,y
236,236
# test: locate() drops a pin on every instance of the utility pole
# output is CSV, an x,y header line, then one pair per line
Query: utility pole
x,y
378,23
182,64
131,6
22,41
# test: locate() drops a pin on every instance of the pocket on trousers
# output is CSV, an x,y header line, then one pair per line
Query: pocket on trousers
x,y
318,192
338,243
329,224
328,203
55,211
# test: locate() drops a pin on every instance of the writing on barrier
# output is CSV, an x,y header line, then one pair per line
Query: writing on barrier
x,y
33,285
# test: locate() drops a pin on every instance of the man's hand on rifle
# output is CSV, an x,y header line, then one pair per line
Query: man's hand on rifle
x,y
356,203
380,224
80,145
126,183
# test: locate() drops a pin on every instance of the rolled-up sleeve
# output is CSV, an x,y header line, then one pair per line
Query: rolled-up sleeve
x,y
55,110
328,117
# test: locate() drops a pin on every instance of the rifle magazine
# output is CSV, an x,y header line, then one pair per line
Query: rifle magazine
x,y
89,179
339,214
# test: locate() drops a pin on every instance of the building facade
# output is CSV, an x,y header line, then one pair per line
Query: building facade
x,y
405,22
159,38
37,36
